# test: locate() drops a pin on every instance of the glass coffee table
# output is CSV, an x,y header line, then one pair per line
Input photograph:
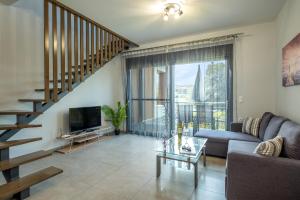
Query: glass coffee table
x,y
174,151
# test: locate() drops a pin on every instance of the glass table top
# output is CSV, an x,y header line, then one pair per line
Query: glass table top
x,y
174,146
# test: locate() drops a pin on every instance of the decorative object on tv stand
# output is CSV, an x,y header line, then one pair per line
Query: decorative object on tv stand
x,y
116,116
291,63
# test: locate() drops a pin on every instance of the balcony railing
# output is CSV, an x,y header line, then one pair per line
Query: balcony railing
x,y
210,115
195,115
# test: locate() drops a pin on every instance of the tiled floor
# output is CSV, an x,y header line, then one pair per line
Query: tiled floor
x,y
123,168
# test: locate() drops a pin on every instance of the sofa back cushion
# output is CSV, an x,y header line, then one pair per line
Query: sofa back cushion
x,y
273,127
264,124
290,131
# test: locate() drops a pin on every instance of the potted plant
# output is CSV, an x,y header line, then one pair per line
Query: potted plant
x,y
115,116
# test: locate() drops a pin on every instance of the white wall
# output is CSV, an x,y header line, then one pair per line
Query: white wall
x,y
21,50
21,64
255,59
288,26
104,88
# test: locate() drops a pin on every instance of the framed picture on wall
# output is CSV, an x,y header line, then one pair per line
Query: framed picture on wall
x,y
291,63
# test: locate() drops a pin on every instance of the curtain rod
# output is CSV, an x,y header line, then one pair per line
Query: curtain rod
x,y
171,46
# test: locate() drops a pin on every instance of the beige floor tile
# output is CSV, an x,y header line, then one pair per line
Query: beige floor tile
x,y
201,194
124,168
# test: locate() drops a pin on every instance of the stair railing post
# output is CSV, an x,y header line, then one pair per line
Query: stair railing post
x,y
46,50
105,47
76,48
97,47
92,48
81,51
62,50
69,52
87,42
109,47
101,48
54,41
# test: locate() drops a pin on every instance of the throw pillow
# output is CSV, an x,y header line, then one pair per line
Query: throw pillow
x,y
251,126
270,147
255,126
247,125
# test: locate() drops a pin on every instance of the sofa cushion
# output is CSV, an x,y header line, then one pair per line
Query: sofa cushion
x,y
242,146
290,131
264,124
274,127
270,147
225,136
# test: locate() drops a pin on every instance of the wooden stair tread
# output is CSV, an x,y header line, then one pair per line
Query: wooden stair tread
x,y
19,112
18,126
32,100
14,162
4,145
16,186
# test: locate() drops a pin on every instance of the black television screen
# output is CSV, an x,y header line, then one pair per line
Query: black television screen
x,y
84,118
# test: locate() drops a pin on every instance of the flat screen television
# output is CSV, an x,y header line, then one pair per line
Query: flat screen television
x,y
85,118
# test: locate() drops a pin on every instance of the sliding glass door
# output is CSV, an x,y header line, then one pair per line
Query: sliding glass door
x,y
201,95
194,87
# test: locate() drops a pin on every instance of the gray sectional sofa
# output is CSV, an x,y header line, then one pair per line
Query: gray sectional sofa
x,y
253,177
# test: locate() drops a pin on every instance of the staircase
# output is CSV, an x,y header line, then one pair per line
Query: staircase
x,y
84,47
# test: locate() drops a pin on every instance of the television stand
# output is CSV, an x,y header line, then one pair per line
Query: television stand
x,y
82,139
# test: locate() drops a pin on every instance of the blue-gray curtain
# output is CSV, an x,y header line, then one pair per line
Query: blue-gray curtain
x,y
152,109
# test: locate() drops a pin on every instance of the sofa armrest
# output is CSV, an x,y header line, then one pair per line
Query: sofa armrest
x,y
251,176
236,127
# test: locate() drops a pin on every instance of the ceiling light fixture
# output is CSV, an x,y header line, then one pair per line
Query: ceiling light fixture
x,y
172,9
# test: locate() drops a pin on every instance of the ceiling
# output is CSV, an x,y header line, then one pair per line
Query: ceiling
x,y
141,20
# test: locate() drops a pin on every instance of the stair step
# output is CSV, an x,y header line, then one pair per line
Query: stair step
x,y
7,144
14,187
14,162
32,100
19,112
18,126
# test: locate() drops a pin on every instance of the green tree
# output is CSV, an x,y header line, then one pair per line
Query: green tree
x,y
215,81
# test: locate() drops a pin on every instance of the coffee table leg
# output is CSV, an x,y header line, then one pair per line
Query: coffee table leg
x,y
158,166
196,174
204,156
